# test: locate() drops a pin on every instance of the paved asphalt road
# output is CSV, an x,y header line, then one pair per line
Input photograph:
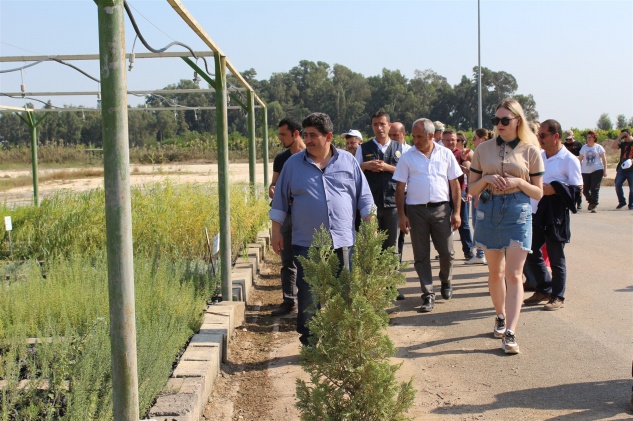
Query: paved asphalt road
x,y
575,363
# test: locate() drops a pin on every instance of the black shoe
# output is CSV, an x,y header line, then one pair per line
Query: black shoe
x,y
427,304
447,290
284,308
620,205
400,297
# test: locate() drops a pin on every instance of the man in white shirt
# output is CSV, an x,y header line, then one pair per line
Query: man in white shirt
x,y
427,170
550,223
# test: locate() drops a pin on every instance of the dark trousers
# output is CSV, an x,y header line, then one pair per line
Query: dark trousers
x,y
388,221
401,235
305,300
465,233
591,186
436,224
554,284
288,266
620,177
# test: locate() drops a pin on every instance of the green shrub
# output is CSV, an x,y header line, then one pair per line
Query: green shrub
x,y
70,306
348,360
169,219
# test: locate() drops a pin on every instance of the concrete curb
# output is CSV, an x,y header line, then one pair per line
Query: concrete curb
x,y
188,390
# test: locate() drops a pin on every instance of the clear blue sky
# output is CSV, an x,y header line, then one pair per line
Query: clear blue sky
x,y
574,57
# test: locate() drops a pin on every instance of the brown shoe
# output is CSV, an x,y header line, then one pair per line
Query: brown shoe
x,y
554,304
536,299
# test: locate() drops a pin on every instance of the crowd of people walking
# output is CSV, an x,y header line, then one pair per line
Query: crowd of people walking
x,y
509,198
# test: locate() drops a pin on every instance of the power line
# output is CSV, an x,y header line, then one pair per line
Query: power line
x,y
153,50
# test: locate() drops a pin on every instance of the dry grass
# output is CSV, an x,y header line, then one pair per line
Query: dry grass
x,y
8,183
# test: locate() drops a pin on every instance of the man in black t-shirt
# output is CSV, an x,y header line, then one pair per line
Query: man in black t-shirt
x,y
289,131
574,147
624,170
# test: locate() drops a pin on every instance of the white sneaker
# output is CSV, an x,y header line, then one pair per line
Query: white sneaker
x,y
509,343
476,261
500,327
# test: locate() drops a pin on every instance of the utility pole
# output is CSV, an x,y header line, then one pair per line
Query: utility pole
x,y
252,153
480,121
118,210
223,176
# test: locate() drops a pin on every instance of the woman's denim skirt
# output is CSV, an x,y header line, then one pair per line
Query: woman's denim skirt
x,y
505,220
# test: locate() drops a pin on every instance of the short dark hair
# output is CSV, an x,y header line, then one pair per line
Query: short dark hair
x,y
625,130
448,131
319,121
379,114
483,133
553,127
292,124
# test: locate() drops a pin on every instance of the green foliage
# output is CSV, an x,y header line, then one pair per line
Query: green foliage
x,y
348,361
166,219
69,310
604,122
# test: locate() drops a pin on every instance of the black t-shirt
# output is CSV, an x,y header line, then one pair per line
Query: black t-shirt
x,y
626,152
280,160
573,147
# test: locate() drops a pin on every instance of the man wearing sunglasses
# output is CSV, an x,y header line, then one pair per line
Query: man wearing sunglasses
x,y
624,170
550,223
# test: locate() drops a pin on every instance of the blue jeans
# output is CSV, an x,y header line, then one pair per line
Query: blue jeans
x,y
305,299
473,213
465,234
620,176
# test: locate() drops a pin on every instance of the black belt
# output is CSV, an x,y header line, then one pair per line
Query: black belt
x,y
432,205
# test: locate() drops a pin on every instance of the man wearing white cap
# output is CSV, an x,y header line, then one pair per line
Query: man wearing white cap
x,y
353,139
439,131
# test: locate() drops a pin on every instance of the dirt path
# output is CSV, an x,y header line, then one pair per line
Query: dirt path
x,y
258,382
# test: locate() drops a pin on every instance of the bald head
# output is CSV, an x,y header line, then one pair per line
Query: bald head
x,y
397,132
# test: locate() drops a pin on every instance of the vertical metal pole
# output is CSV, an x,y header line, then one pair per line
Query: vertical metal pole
x,y
480,107
265,146
252,157
36,188
118,210
223,176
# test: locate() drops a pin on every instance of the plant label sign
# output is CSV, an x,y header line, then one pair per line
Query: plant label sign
x,y
216,244
7,223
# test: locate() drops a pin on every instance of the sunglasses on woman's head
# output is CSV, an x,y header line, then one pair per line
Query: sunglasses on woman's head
x,y
505,120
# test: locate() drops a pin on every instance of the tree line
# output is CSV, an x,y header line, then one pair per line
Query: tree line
x,y
348,97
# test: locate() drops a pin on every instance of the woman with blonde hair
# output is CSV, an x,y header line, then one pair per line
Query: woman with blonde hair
x,y
506,172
